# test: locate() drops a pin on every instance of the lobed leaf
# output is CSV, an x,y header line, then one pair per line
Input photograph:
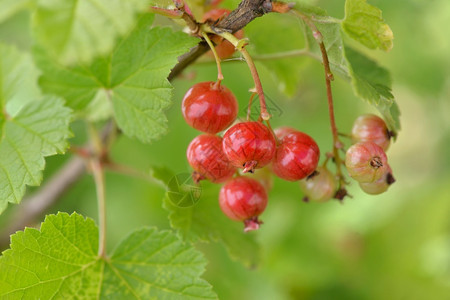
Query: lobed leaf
x,y
364,23
32,127
78,30
130,83
60,261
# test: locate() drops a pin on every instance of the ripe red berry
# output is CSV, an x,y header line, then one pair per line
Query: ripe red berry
x,y
296,157
209,107
379,186
281,132
366,162
371,128
243,199
224,48
249,145
206,157
320,187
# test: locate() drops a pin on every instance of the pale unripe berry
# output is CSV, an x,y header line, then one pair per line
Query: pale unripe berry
x,y
319,187
371,128
379,186
366,162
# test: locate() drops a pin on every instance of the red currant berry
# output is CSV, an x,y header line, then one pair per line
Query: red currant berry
x,y
379,186
319,187
249,145
224,48
206,157
296,157
371,128
366,162
243,199
209,107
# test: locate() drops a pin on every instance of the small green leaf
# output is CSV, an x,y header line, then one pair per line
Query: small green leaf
x,y
364,23
79,30
131,82
32,127
205,222
373,84
60,261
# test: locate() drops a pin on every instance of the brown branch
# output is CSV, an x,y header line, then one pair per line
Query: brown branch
x,y
246,12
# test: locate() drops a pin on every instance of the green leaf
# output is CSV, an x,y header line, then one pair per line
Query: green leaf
x,y
332,40
131,82
370,82
373,84
79,30
364,23
60,261
11,7
205,222
32,127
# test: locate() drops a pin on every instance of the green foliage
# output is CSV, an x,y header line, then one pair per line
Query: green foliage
x,y
373,83
364,23
79,30
11,7
131,82
60,262
32,126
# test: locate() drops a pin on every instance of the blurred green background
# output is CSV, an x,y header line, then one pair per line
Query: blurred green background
x,y
391,246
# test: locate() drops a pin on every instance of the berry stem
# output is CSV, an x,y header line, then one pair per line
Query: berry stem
x,y
337,144
99,179
249,108
240,46
216,57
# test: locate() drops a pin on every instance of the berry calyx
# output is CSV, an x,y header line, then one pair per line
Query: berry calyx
x,y
366,162
206,157
379,186
371,128
209,107
243,199
319,187
224,48
296,157
249,145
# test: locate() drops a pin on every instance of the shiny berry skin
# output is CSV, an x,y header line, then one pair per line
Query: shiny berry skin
x,y
249,145
281,132
379,186
366,162
371,128
243,199
297,156
223,47
320,187
209,107
206,157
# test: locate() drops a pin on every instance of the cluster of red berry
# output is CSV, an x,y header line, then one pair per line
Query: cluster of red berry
x,y
211,107
366,160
